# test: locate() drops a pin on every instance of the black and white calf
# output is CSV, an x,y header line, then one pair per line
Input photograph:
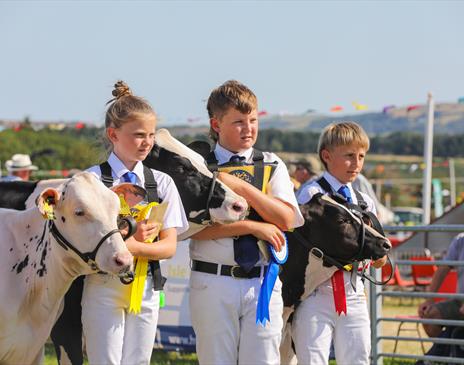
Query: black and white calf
x,y
331,236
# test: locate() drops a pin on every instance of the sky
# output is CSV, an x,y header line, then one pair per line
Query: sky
x,y
60,59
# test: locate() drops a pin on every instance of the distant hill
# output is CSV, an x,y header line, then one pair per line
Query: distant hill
x,y
449,119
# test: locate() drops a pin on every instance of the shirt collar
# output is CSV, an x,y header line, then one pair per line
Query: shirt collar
x,y
120,169
333,181
223,155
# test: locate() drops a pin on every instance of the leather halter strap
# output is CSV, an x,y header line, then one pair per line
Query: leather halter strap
x,y
87,257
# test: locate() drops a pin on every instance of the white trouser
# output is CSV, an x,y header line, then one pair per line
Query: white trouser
x,y
315,323
112,335
223,311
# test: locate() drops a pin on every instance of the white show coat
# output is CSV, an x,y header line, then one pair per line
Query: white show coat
x,y
112,335
223,309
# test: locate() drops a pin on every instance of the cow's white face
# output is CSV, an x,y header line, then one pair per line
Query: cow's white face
x,y
193,180
85,212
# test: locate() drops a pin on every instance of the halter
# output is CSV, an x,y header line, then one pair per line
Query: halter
x,y
357,213
87,257
205,217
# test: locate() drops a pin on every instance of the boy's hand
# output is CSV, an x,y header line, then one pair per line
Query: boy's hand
x,y
146,230
270,233
424,307
379,262
461,309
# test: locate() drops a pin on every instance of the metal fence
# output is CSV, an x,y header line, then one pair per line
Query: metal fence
x,y
377,293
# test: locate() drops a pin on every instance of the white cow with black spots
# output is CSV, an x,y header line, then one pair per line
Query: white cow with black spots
x,y
40,258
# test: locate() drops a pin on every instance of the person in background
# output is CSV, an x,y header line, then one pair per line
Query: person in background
x,y
447,309
305,172
19,168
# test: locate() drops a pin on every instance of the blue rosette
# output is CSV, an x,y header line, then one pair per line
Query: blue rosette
x,y
276,259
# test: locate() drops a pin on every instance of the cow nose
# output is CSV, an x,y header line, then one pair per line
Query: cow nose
x,y
387,245
123,259
238,207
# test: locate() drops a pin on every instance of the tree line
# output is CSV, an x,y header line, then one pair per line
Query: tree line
x,y
71,148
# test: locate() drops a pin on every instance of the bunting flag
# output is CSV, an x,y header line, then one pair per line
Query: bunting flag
x,y
336,108
358,106
387,108
262,113
412,107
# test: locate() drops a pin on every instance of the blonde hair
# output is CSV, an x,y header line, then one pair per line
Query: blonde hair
x,y
342,134
124,107
231,94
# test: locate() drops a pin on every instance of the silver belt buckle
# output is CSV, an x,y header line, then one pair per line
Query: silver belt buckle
x,y
232,271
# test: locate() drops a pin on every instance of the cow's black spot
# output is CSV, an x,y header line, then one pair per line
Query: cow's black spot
x,y
30,239
36,237
11,249
63,219
22,264
28,226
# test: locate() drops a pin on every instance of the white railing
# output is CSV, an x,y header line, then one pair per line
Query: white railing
x,y
376,293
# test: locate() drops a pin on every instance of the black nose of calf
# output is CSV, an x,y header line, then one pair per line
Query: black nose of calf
x,y
387,245
239,208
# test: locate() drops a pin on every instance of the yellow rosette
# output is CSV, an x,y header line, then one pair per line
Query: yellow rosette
x,y
139,212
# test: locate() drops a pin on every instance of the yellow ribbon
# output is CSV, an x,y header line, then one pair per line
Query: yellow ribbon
x,y
48,212
139,212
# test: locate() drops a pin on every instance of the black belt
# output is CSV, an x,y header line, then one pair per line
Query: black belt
x,y
227,270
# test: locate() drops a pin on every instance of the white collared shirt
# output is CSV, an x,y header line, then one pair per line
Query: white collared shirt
x,y
313,188
167,190
222,250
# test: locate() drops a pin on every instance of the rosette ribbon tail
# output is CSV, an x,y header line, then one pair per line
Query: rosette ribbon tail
x,y
265,293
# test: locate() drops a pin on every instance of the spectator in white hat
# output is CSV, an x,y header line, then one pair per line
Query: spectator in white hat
x,y
19,168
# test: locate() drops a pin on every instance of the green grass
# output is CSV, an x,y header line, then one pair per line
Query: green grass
x,y
158,357
391,308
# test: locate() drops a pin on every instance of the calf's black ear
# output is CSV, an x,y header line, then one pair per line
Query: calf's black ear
x,y
201,147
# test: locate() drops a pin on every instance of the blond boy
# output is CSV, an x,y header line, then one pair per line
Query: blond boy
x,y
323,316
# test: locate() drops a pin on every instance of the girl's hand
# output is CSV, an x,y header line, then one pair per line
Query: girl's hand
x,y
146,231
270,233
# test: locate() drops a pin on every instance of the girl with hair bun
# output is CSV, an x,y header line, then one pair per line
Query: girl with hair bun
x,y
114,334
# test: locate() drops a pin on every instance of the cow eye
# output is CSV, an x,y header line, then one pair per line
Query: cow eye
x,y
344,221
79,212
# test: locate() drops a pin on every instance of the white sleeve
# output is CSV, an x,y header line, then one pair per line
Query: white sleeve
x,y
175,214
281,187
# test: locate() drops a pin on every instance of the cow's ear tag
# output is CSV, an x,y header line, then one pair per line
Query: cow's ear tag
x,y
46,203
48,212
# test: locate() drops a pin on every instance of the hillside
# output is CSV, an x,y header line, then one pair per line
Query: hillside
x,y
449,119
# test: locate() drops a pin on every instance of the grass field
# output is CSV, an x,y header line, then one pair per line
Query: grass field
x,y
391,308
